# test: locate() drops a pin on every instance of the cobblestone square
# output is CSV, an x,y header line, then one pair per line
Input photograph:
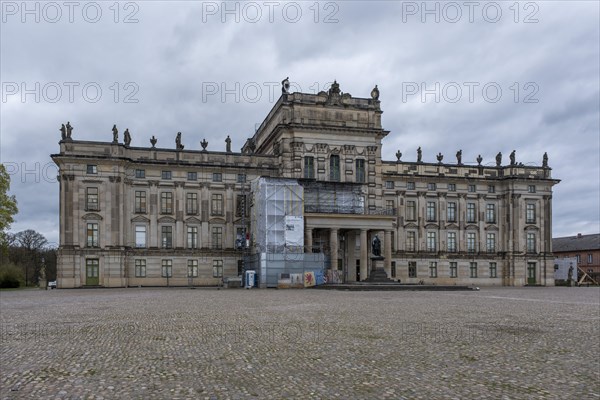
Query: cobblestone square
x,y
179,343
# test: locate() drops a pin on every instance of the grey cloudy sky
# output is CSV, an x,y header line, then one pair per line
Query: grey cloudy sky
x,y
507,75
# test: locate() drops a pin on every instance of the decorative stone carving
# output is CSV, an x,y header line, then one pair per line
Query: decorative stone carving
x,y
375,93
276,148
371,150
321,147
349,148
115,133
153,141
479,159
297,146
440,157
204,144
126,137
334,95
398,156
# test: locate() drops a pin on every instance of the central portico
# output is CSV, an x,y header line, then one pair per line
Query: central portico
x,y
345,235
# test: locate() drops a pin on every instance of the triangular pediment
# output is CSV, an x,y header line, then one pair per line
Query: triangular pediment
x,y
432,226
166,220
92,217
140,218
193,220
217,220
452,226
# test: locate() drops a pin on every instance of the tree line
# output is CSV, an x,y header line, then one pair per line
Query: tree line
x,y
27,260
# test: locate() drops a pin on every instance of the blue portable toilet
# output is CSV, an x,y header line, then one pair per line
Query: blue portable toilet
x,y
250,279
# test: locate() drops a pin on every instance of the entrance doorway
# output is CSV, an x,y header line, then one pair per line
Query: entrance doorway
x,y
91,272
531,273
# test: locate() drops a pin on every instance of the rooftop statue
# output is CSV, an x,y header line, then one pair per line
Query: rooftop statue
x,y
126,137
285,85
178,144
375,93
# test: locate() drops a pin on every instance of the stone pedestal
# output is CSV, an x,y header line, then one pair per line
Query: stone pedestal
x,y
378,273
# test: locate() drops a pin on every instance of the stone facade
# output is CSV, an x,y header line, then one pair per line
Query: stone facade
x,y
153,216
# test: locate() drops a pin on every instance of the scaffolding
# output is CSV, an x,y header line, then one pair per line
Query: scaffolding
x,y
332,197
277,223
277,216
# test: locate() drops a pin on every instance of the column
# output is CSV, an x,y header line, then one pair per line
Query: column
x,y
308,240
387,252
333,245
364,251
350,275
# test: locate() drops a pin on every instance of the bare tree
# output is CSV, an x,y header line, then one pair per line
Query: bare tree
x,y
32,245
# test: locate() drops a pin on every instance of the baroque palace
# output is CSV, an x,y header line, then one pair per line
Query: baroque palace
x,y
154,216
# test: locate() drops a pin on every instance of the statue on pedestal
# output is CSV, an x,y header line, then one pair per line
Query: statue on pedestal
x,y
153,141
479,159
285,85
419,154
115,132
63,132
178,144
69,130
499,159
545,160
512,158
228,144
376,247
459,157
126,137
